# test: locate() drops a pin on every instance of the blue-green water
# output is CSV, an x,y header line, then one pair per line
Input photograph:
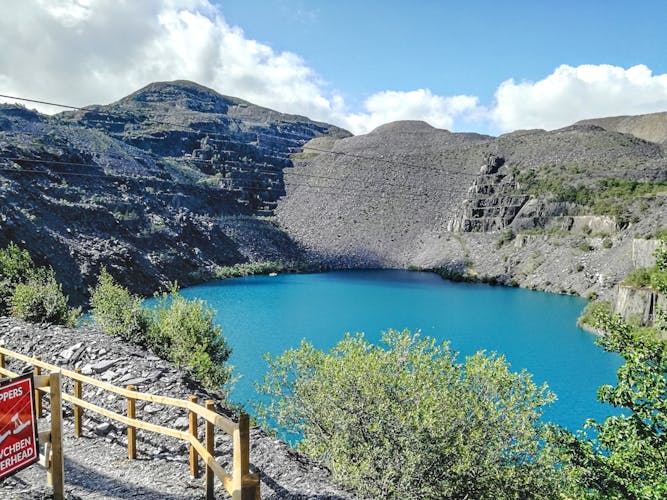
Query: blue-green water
x,y
535,330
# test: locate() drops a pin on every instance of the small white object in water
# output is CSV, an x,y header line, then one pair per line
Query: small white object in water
x,y
273,274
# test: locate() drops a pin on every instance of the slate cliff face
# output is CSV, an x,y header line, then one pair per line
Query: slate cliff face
x,y
550,210
176,180
166,184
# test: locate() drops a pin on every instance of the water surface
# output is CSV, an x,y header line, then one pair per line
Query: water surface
x,y
535,330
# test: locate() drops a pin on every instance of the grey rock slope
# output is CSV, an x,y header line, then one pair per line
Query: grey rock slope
x,y
167,184
550,210
650,127
96,465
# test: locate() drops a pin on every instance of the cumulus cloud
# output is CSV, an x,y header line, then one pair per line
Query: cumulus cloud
x,y
96,51
571,93
422,104
85,51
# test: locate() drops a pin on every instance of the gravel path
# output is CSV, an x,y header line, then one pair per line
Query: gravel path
x,y
96,465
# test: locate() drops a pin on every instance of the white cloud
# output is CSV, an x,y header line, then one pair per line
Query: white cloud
x,y
571,93
422,104
86,51
96,51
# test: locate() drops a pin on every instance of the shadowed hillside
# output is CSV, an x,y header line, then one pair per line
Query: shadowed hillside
x,y
169,183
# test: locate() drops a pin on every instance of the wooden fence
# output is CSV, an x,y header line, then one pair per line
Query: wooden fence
x,y
240,484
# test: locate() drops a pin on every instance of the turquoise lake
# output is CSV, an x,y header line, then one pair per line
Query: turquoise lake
x,y
535,330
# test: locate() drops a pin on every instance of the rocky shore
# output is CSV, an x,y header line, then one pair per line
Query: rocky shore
x,y
96,465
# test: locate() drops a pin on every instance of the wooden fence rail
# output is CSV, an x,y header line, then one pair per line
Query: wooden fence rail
x,y
240,484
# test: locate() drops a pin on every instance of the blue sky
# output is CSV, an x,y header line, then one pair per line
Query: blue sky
x,y
487,66
454,47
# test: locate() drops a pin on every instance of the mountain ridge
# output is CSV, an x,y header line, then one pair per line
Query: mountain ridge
x,y
175,181
651,127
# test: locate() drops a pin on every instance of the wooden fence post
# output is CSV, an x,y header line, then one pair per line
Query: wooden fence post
x,y
194,457
242,489
37,371
131,430
210,447
55,474
78,411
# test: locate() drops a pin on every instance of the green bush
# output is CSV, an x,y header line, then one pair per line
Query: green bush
x,y
15,267
184,331
117,312
593,311
585,246
408,421
180,330
625,456
640,278
249,269
41,300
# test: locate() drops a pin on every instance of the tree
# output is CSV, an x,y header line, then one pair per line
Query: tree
x,y
185,332
627,458
405,420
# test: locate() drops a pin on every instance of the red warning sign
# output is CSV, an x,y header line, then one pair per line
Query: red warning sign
x,y
18,425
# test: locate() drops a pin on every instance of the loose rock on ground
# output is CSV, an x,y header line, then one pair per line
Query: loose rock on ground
x,y
96,465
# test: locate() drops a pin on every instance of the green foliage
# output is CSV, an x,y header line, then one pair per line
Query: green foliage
x,y
117,312
607,197
185,331
640,278
652,277
249,269
15,267
407,421
628,458
41,300
585,246
180,330
593,310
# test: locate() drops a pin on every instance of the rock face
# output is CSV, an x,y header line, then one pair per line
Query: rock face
x,y
639,303
407,194
167,184
492,202
379,199
176,180
643,252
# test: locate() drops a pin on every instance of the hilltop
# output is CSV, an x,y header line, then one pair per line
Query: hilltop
x,y
177,182
172,182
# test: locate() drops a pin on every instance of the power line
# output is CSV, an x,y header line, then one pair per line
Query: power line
x,y
258,134
258,170
231,185
333,190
